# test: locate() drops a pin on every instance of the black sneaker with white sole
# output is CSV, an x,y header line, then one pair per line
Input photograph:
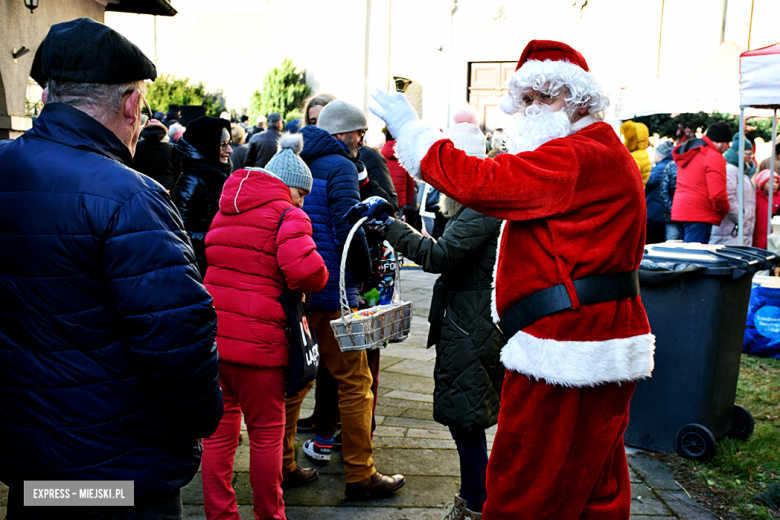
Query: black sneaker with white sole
x,y
319,453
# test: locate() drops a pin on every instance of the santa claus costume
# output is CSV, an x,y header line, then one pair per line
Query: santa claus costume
x,y
575,227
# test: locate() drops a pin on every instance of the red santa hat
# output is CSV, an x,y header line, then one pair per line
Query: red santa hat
x,y
555,62
541,50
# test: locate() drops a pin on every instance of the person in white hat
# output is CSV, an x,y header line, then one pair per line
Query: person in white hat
x,y
566,289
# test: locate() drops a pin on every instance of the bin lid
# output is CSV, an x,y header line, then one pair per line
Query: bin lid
x,y
712,259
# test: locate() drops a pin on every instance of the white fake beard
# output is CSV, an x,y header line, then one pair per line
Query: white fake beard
x,y
536,126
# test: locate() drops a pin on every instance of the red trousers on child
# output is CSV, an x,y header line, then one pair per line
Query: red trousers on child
x,y
558,453
259,393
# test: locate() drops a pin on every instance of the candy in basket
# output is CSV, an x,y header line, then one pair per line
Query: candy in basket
x,y
373,327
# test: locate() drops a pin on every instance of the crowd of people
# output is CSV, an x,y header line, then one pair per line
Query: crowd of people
x,y
112,363
692,187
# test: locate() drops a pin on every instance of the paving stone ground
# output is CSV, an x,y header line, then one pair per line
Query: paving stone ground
x,y
408,441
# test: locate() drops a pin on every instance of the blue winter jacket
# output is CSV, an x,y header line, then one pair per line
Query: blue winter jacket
x,y
334,191
108,363
653,200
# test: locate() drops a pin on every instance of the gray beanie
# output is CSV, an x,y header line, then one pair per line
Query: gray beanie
x,y
664,148
288,166
339,117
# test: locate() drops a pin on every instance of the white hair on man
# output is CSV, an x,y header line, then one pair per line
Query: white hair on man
x,y
101,101
533,90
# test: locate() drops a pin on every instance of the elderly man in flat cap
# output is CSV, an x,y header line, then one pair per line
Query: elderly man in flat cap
x,y
108,364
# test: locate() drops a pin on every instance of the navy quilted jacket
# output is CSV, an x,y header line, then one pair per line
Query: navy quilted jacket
x,y
108,364
334,191
653,199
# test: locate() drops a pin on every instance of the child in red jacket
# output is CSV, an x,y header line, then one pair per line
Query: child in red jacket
x,y
260,244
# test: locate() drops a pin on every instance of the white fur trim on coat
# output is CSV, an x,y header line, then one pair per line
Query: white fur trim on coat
x,y
582,123
493,307
413,144
580,363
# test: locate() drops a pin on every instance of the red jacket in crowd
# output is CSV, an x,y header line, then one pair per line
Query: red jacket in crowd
x,y
403,182
701,194
251,265
759,232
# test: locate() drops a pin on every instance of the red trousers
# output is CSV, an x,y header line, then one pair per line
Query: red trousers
x,y
259,393
558,452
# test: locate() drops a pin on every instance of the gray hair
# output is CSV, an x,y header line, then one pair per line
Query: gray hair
x,y
102,101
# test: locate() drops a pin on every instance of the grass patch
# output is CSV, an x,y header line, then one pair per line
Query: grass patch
x,y
741,471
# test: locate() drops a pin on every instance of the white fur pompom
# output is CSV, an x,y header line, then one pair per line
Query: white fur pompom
x,y
508,105
466,115
291,141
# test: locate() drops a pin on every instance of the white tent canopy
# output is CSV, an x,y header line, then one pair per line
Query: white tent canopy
x,y
759,71
708,86
759,77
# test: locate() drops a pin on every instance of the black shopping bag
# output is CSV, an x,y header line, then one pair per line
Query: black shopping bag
x,y
304,351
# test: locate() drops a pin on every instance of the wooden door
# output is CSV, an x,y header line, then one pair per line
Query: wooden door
x,y
487,86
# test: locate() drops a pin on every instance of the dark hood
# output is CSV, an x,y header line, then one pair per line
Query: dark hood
x,y
318,143
685,152
185,150
205,134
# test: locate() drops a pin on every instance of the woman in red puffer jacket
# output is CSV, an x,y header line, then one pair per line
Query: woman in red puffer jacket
x,y
259,244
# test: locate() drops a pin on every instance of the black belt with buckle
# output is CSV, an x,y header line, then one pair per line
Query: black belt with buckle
x,y
590,290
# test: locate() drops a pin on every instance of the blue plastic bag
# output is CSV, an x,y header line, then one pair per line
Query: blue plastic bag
x,y
762,330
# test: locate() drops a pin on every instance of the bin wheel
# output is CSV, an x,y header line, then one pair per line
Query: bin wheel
x,y
696,442
742,423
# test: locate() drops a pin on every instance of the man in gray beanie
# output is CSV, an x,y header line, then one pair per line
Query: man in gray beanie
x,y
107,355
345,122
330,152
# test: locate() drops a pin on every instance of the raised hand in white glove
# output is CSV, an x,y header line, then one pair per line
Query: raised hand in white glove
x,y
395,110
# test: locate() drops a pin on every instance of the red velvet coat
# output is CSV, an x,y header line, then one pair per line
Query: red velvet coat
x,y
701,194
250,266
404,184
575,208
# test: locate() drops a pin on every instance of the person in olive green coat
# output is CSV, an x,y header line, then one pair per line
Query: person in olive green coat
x,y
468,373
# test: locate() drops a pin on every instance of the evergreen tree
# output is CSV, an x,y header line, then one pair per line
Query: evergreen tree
x,y
167,90
666,125
283,91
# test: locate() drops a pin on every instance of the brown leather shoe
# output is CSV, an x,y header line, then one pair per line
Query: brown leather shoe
x,y
299,477
375,485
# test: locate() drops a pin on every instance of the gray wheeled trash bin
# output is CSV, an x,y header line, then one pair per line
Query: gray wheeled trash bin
x,y
696,297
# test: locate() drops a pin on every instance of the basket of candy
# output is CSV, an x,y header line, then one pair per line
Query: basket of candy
x,y
373,327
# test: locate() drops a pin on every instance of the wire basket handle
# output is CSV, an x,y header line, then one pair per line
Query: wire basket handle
x,y
346,311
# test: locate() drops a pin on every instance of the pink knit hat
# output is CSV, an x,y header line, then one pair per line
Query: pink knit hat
x,y
763,177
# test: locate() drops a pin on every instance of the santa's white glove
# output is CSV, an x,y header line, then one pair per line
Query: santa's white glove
x,y
395,110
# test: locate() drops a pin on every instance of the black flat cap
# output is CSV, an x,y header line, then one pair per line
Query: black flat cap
x,y
85,51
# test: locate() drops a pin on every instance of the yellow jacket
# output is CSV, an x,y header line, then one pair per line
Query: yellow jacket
x,y
636,137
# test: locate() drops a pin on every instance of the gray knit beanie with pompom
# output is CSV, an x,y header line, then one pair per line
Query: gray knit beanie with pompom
x,y
288,166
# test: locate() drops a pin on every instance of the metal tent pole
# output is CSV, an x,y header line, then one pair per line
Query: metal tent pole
x,y
741,182
771,177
